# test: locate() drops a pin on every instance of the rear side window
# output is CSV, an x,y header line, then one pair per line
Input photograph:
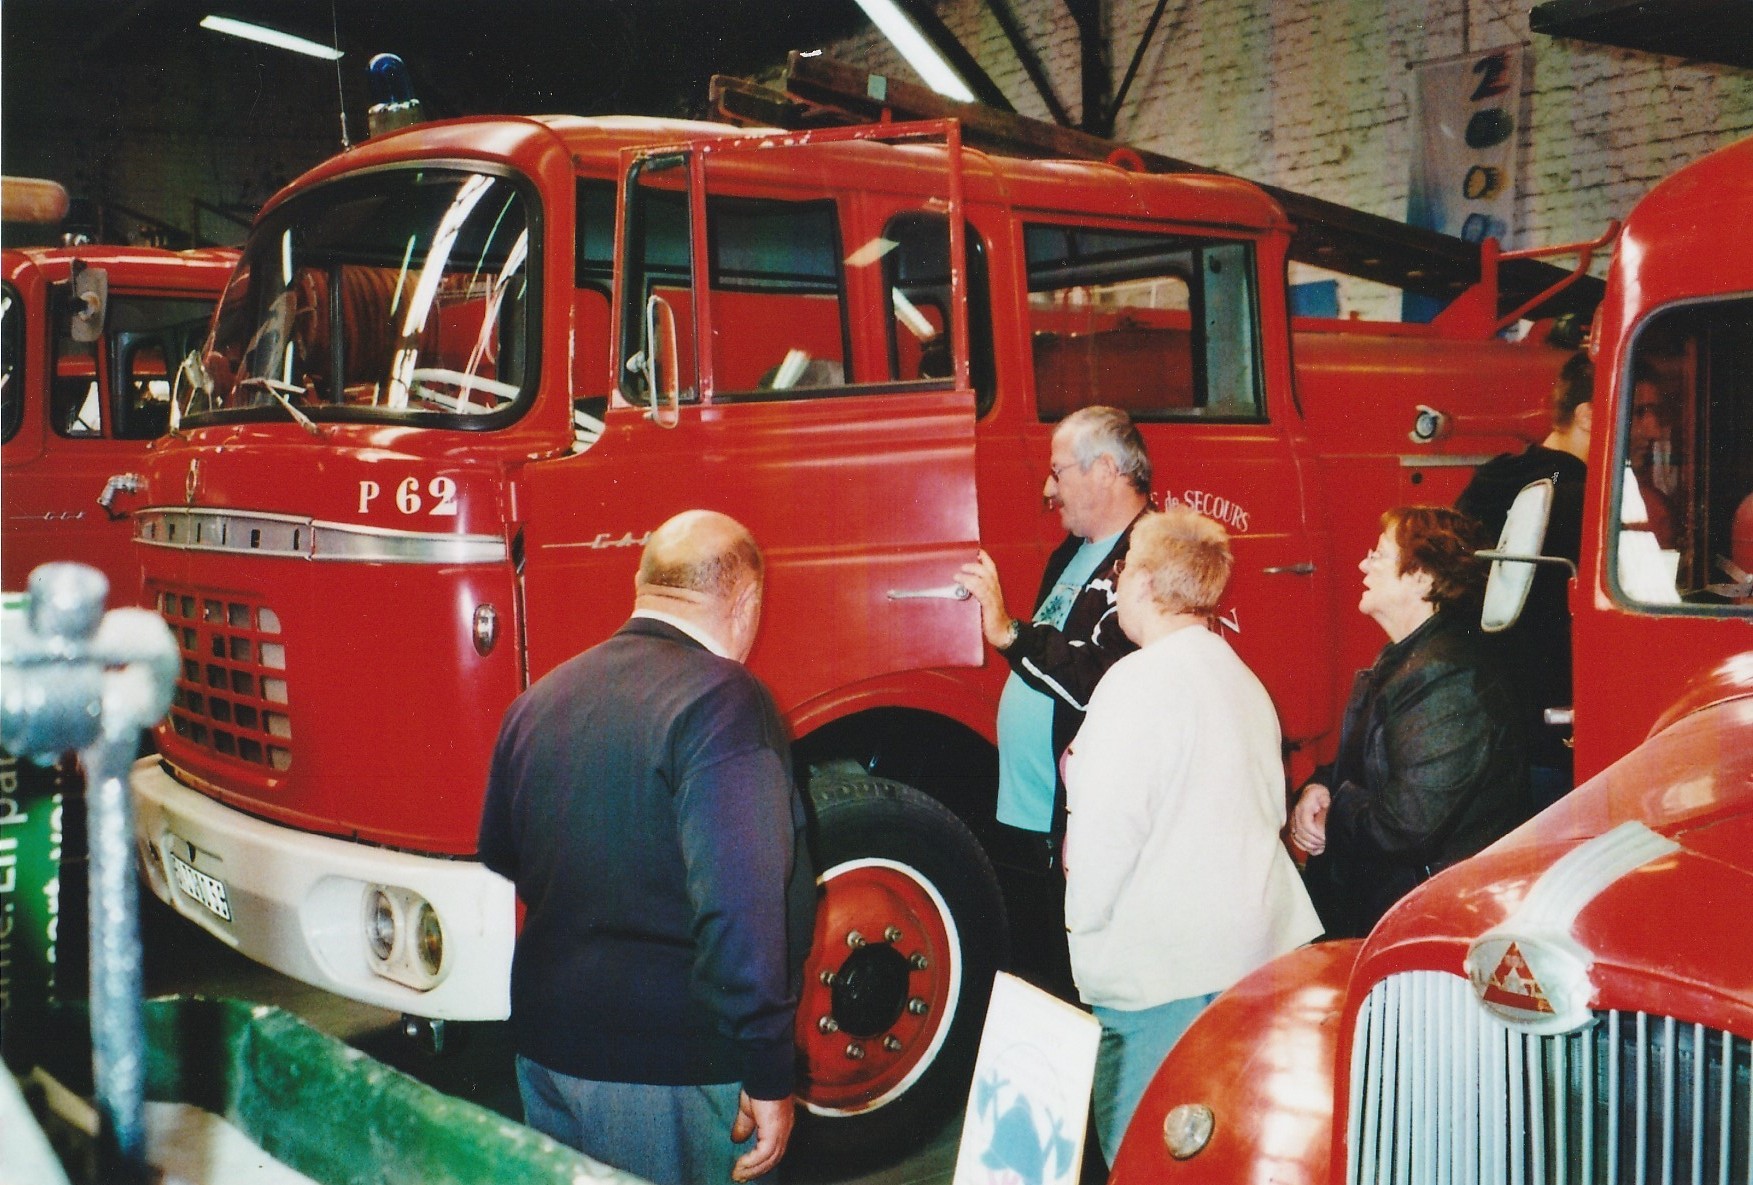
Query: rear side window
x,y
1162,326
1684,472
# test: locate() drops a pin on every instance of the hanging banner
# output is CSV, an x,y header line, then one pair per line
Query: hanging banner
x,y
1464,112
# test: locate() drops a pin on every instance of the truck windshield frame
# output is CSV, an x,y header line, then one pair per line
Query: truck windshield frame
x,y
418,285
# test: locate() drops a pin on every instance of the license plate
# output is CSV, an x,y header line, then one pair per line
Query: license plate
x,y
201,887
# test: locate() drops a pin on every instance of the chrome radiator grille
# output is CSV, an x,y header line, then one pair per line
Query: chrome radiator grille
x,y
231,695
1441,1092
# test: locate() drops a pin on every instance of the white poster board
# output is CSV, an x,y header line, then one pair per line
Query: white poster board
x,y
1029,1103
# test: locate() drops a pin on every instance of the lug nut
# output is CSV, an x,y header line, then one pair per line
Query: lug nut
x,y
855,1051
892,934
854,939
827,978
892,1043
828,1025
917,1006
920,962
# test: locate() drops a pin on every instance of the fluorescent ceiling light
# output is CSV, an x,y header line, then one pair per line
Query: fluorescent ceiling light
x,y
274,37
905,36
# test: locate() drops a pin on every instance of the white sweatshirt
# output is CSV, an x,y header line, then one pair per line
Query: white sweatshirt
x,y
1176,881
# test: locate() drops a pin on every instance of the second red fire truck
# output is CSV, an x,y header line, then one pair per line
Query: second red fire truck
x,y
1574,1004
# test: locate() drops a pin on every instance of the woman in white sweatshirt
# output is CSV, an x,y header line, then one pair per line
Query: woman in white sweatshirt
x,y
1177,883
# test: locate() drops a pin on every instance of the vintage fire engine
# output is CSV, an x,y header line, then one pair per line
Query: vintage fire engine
x,y
1575,1003
92,339
464,368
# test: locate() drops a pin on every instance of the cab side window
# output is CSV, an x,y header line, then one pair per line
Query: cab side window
x,y
916,276
778,295
11,362
1684,473
1163,326
147,340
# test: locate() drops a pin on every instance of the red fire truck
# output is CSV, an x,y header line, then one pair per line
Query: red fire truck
x,y
1574,1004
91,340
463,369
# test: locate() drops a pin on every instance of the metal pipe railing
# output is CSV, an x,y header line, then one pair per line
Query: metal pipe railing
x,y
79,679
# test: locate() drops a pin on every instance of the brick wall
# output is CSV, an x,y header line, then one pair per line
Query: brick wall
x,y
1313,95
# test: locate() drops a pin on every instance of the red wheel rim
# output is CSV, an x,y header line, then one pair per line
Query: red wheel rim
x,y
880,987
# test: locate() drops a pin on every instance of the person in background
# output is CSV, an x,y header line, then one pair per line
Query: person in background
x,y
641,799
1651,452
1098,477
1432,763
1177,881
1537,648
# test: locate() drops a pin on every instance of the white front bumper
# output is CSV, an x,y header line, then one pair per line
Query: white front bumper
x,y
298,901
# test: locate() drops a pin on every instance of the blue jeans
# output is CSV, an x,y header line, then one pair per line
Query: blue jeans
x,y
669,1135
1134,1044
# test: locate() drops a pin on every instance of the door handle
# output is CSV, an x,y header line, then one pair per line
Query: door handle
x,y
945,592
1303,569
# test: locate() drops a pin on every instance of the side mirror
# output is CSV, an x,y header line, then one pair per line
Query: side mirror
x,y
659,363
1517,556
91,291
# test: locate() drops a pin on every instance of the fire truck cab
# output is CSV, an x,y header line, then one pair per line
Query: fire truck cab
x,y
90,339
1575,1003
463,369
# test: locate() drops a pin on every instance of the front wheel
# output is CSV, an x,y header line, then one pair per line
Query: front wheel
x,y
909,932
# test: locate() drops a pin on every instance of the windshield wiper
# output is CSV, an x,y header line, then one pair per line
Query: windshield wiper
x,y
281,393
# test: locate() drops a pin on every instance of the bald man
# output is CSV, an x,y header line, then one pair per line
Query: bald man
x,y
641,799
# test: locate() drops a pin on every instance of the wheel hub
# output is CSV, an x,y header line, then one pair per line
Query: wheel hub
x,y
870,990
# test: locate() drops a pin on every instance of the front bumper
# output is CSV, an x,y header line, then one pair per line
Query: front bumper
x,y
298,902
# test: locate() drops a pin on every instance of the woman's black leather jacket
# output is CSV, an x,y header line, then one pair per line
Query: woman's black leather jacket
x,y
1432,767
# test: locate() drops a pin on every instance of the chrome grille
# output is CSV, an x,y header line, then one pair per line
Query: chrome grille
x,y
231,695
1443,1092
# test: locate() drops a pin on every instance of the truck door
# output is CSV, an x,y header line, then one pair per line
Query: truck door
x,y
1165,324
1668,574
792,354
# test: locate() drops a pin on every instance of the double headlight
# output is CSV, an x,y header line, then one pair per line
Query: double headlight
x,y
404,938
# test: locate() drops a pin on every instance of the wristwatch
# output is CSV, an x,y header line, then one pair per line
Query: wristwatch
x,y
1016,627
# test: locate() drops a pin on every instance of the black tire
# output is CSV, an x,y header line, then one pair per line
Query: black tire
x,y
906,1003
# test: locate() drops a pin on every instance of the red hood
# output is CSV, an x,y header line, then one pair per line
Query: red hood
x,y
1668,934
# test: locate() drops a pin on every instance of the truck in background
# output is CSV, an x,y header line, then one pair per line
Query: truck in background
x,y
1574,1004
464,368
90,341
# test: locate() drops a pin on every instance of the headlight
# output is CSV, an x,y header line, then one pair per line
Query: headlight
x,y
1187,1129
430,935
380,925
404,938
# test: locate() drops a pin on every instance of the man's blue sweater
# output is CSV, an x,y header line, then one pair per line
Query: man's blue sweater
x,y
641,799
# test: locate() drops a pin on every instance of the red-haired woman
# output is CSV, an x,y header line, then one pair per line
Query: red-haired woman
x,y
1432,763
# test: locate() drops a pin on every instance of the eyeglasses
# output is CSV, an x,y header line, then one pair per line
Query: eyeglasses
x,y
1055,471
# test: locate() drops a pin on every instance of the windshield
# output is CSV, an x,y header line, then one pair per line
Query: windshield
x,y
404,295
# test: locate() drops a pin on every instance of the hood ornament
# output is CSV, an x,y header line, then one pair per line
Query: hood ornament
x,y
192,482
1530,972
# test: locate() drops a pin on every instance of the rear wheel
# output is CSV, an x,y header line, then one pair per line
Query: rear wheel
x,y
909,931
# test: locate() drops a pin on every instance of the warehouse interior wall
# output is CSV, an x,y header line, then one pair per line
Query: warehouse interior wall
x,y
1314,96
